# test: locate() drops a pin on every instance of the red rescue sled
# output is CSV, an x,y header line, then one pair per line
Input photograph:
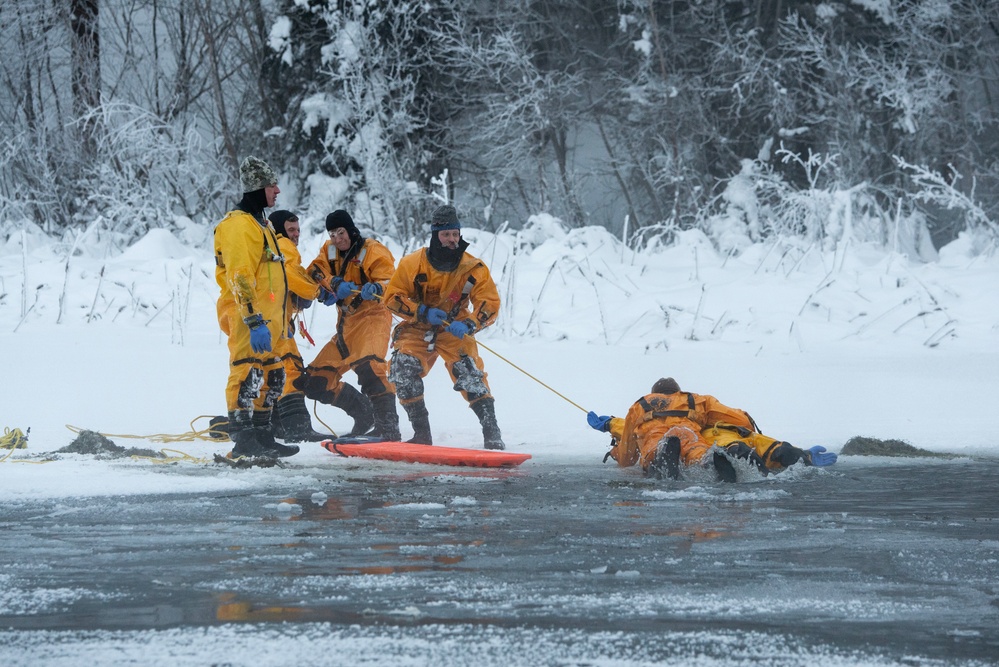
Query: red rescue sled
x,y
412,453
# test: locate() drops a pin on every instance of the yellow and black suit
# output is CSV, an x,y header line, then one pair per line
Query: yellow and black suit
x,y
250,274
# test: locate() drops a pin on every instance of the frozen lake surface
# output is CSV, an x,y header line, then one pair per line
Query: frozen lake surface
x,y
874,561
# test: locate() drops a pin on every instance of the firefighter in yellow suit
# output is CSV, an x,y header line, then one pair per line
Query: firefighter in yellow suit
x,y
354,272
669,428
291,417
443,294
251,312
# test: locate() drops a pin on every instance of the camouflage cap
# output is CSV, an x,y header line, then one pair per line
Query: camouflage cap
x,y
254,174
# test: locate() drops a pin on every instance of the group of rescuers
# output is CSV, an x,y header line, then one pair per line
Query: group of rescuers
x,y
442,296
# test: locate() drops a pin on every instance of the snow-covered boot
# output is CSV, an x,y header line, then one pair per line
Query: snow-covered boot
x,y
357,406
386,418
420,420
243,435
485,410
292,422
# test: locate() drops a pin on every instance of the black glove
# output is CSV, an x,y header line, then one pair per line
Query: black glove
x,y
741,450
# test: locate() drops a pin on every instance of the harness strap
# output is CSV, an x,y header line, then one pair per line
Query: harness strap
x,y
465,291
652,413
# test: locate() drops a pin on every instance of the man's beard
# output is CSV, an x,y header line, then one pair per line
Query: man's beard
x,y
443,258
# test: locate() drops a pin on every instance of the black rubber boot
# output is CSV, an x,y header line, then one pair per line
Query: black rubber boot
x,y
265,435
357,406
250,442
218,427
485,410
243,435
292,422
420,420
724,468
786,455
254,442
252,437
386,418
666,462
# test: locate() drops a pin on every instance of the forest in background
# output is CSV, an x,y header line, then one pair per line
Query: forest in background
x,y
747,119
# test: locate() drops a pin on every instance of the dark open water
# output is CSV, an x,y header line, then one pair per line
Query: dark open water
x,y
871,562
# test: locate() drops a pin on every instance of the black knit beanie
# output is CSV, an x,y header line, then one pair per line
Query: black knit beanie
x,y
665,386
279,218
341,218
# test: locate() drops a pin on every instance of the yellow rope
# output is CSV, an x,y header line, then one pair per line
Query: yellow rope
x,y
183,456
483,345
194,434
13,439
164,437
315,413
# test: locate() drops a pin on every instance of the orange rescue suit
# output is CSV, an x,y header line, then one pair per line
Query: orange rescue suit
x,y
682,414
467,293
363,327
302,286
723,426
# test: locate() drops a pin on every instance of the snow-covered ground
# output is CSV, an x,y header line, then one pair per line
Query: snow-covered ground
x,y
818,346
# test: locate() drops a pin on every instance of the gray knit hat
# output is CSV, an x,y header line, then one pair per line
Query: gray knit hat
x,y
444,217
254,174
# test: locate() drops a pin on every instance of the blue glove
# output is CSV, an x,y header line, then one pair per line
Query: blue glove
x,y
344,289
260,335
371,291
432,316
458,328
820,458
600,423
326,297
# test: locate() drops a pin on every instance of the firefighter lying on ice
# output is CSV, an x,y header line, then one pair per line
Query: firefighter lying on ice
x,y
669,429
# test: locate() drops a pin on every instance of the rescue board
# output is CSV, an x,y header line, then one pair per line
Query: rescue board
x,y
412,453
